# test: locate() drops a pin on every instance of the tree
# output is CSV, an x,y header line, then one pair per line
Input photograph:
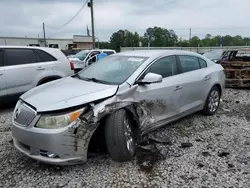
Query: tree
x,y
104,45
160,37
195,41
124,38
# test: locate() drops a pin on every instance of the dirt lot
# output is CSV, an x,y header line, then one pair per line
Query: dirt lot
x,y
196,151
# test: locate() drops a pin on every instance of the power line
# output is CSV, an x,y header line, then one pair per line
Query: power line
x,y
77,13
211,28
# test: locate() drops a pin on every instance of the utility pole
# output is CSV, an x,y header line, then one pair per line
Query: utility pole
x,y
44,37
190,34
90,4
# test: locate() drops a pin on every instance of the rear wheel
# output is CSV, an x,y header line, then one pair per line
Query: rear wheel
x,y
119,134
212,102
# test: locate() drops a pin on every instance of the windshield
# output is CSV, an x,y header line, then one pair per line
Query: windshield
x,y
215,54
81,55
113,70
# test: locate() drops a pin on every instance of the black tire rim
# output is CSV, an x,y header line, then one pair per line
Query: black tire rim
x,y
128,135
213,101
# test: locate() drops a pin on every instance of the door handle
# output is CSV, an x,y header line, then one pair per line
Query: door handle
x,y
40,68
1,74
178,88
207,78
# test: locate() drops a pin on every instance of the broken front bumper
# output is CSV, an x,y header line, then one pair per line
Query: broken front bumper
x,y
63,146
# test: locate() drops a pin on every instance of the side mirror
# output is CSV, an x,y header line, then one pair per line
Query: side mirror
x,y
150,78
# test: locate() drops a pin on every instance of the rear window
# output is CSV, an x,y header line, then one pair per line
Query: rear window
x,y
19,56
1,58
189,63
109,52
203,63
44,56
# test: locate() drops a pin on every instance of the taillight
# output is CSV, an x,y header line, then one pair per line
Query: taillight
x,y
72,66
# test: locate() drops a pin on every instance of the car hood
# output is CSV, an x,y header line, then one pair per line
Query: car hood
x,y
65,93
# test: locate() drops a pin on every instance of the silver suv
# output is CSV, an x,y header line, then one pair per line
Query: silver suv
x,y
23,68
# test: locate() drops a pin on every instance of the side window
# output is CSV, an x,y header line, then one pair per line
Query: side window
x,y
19,56
1,58
109,52
189,63
165,66
44,56
203,63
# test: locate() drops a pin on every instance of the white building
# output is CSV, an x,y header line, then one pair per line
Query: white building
x,y
78,41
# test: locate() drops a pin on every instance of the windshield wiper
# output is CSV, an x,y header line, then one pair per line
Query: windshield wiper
x,y
78,76
96,80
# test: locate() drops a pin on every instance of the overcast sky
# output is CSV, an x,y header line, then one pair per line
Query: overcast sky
x,y
217,17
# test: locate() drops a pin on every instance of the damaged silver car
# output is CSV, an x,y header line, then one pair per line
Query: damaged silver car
x,y
122,97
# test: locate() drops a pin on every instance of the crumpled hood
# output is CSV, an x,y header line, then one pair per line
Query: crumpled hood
x,y
65,93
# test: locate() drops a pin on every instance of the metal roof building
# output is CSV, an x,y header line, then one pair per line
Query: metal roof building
x,y
78,41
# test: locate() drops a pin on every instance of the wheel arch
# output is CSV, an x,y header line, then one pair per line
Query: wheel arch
x,y
218,86
48,78
98,137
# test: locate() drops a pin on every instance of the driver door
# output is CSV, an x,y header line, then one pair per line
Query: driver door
x,y
92,57
161,99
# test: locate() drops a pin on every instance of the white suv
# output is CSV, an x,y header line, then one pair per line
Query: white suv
x,y
22,68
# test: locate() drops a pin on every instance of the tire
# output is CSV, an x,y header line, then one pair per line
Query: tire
x,y
119,135
212,101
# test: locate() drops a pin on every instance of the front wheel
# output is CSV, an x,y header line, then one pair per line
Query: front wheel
x,y
212,102
119,134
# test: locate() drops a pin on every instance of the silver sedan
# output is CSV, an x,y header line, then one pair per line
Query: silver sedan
x,y
112,103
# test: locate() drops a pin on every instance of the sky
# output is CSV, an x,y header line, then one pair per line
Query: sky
x,y
217,17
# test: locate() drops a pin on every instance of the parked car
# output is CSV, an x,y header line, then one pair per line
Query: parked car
x,y
121,97
86,57
23,68
214,55
236,63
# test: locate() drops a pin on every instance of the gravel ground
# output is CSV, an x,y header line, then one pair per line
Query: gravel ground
x,y
196,151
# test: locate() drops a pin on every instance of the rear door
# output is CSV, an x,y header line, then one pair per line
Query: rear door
x,y
2,76
191,81
21,69
45,62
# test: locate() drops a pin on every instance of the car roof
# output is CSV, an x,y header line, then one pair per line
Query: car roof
x,y
156,53
33,47
103,50
28,47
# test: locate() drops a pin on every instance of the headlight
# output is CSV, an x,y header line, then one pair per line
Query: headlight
x,y
58,121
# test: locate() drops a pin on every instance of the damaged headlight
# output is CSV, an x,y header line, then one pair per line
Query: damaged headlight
x,y
58,121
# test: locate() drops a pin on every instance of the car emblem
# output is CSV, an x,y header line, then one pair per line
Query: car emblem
x,y
17,112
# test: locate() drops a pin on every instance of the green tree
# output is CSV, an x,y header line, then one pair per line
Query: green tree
x,y
124,38
195,41
103,45
160,37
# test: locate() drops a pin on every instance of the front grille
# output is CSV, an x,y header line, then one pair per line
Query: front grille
x,y
24,114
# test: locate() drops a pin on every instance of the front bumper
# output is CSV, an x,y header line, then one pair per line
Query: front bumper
x,y
70,145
